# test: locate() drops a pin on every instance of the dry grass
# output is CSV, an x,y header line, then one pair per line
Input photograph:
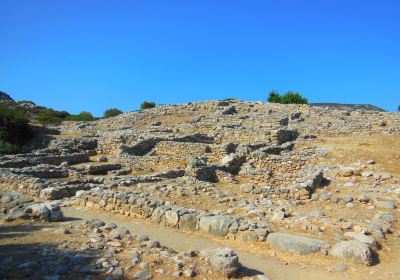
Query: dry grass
x,y
384,149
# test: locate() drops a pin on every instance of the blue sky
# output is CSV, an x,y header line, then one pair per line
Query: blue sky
x,y
91,55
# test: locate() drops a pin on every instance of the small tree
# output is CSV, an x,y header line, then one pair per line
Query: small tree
x,y
293,98
274,97
288,98
113,112
147,105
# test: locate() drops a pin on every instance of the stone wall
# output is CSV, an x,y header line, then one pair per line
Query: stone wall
x,y
160,212
55,158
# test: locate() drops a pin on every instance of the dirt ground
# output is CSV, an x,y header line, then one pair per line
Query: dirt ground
x,y
384,149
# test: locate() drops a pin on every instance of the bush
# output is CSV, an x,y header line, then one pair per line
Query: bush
x,y
113,112
274,97
288,98
14,128
81,117
147,105
293,98
51,117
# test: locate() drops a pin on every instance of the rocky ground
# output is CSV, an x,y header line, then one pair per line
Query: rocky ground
x,y
93,249
312,187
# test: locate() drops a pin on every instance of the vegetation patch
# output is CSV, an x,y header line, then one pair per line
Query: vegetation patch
x,y
113,112
14,129
51,117
289,97
81,117
147,105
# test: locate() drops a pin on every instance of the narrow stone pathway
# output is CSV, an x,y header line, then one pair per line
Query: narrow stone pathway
x,y
181,241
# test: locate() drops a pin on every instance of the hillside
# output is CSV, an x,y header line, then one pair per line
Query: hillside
x,y
311,191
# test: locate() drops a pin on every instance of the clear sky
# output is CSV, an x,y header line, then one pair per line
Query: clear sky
x,y
91,55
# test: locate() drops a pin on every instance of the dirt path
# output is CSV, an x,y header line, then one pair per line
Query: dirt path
x,y
181,241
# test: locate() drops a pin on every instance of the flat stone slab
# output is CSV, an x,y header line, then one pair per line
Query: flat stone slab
x,y
294,243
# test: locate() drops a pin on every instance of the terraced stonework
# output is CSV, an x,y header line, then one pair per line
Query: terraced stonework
x,y
317,187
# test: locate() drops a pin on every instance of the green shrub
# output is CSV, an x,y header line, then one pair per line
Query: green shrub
x,y
81,117
113,112
14,128
288,98
293,98
51,117
274,97
147,105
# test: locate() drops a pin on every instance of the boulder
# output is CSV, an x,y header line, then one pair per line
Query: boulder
x,y
353,250
222,260
52,193
171,218
215,225
158,215
294,243
188,221
45,211
39,211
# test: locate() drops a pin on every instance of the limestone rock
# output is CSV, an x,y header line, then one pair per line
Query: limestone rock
x,y
353,250
215,225
246,188
361,237
294,243
223,260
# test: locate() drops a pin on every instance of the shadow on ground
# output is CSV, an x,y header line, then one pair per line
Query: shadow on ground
x,y
26,255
